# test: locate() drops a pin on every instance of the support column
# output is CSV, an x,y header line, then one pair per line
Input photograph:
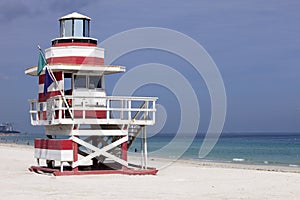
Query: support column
x,y
145,147
124,153
95,143
142,150
75,155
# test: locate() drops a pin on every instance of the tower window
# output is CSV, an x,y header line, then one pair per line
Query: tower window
x,y
67,28
74,28
67,82
87,82
94,82
78,27
86,28
80,81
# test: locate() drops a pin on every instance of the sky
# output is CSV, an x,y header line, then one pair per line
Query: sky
x,y
255,45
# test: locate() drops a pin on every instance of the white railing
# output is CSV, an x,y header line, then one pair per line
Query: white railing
x,y
94,110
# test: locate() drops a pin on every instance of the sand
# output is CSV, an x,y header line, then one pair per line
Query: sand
x,y
181,180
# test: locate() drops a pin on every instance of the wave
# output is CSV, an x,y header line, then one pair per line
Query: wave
x,y
238,159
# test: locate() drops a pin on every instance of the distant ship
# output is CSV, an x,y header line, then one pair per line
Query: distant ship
x,y
7,128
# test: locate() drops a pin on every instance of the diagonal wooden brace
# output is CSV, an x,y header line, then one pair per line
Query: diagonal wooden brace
x,y
98,152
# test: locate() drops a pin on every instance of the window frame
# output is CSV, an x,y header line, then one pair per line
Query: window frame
x,y
87,81
85,27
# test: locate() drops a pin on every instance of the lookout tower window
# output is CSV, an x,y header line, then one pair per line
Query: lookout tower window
x,y
78,27
67,83
87,82
86,30
67,28
94,82
74,28
80,81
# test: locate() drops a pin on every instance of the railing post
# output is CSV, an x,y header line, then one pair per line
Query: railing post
x,y
39,110
146,112
71,106
60,110
107,109
153,111
129,109
83,109
122,108
32,112
32,107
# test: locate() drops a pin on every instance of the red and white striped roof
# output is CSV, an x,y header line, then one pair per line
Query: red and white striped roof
x,y
77,58
75,55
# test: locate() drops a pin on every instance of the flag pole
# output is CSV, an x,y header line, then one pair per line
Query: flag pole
x,y
56,82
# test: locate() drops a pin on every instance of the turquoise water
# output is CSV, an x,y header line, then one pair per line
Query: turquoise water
x,y
278,149
268,149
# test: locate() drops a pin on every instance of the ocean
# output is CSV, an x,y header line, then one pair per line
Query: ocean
x,y
260,148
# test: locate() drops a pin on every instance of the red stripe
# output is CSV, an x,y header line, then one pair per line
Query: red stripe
x,y
43,98
76,60
44,115
58,76
99,114
53,144
74,44
126,171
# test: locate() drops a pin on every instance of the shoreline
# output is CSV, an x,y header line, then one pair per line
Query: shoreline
x,y
231,165
200,163
246,166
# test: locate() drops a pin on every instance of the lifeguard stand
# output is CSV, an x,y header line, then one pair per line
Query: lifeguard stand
x,y
87,131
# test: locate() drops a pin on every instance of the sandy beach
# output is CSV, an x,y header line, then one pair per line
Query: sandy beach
x,y
181,180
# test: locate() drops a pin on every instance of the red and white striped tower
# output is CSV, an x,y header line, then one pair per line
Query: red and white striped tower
x,y
87,131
